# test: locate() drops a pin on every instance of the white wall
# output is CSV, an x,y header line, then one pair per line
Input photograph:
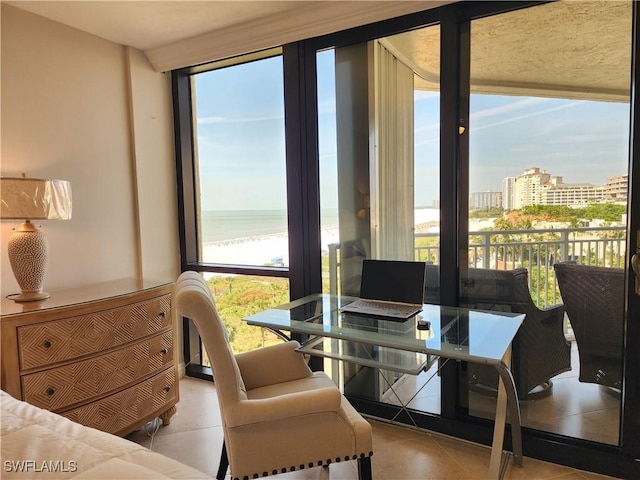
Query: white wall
x,y
93,112
152,120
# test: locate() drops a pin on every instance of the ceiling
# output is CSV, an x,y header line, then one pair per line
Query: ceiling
x,y
179,33
150,24
563,49
566,49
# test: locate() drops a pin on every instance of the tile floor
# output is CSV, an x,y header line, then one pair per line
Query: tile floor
x,y
575,409
194,437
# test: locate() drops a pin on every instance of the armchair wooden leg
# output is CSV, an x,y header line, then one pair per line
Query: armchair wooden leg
x,y
324,474
224,463
364,468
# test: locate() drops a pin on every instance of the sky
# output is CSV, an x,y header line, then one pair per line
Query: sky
x,y
240,122
581,141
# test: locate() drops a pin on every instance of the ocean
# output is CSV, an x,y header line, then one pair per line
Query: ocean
x,y
259,237
237,225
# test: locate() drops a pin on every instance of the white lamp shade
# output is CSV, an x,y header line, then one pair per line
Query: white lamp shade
x,y
32,199
35,199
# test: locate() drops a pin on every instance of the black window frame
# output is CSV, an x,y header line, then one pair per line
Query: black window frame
x,y
304,272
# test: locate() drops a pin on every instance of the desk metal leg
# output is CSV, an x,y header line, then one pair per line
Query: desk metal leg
x,y
404,406
507,398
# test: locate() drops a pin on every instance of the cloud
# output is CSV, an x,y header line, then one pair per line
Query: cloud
x,y
327,106
588,137
432,141
509,107
521,117
227,120
425,95
488,113
429,127
563,154
213,143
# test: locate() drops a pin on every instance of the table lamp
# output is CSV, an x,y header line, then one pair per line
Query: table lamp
x,y
32,199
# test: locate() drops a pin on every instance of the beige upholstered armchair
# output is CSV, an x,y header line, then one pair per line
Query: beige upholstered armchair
x,y
277,415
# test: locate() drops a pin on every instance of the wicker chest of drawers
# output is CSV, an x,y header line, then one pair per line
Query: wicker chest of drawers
x,y
102,355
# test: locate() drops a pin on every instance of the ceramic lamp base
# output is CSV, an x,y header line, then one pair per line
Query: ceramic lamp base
x,y
28,296
28,250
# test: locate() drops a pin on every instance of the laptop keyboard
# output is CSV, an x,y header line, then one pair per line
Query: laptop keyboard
x,y
373,307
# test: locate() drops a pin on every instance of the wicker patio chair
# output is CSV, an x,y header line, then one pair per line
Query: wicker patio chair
x,y
594,299
540,350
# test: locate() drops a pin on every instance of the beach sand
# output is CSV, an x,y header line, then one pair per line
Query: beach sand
x,y
273,250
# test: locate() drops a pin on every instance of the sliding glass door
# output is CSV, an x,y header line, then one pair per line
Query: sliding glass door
x,y
493,140
520,124
378,115
548,181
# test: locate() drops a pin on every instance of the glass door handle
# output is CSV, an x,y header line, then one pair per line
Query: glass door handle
x,y
635,264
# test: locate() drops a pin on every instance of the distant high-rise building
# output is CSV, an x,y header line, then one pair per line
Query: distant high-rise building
x,y
485,200
537,187
508,184
572,194
527,189
617,188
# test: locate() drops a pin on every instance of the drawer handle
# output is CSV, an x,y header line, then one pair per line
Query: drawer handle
x,y
163,314
47,344
164,351
50,391
167,389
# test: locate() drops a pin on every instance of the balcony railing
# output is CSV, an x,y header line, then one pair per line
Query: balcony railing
x,y
537,250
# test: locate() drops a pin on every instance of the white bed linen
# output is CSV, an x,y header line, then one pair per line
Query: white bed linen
x,y
36,443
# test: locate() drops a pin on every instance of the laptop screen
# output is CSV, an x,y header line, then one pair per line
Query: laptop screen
x,y
393,280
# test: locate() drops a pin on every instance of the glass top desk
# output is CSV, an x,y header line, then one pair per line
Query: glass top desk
x,y
454,333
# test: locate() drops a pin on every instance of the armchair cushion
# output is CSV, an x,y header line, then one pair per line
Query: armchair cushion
x,y
287,405
270,365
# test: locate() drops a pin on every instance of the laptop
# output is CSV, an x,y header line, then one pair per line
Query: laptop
x,y
390,288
